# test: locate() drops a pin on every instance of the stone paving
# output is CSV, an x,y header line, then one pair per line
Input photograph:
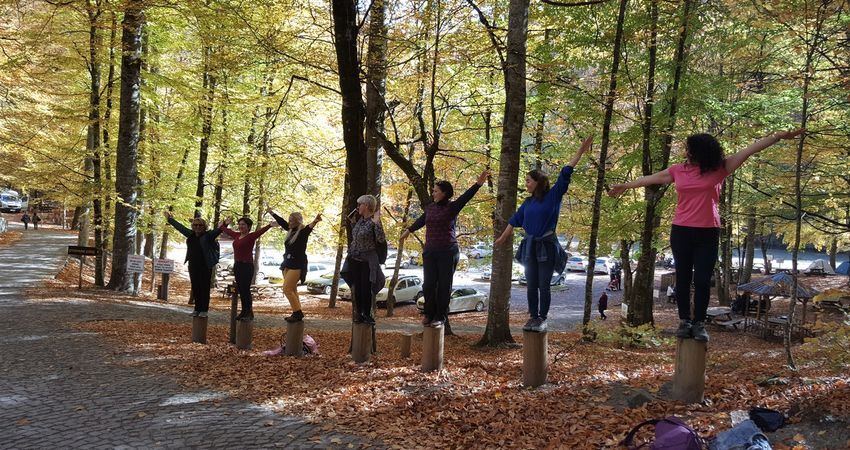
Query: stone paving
x,y
61,388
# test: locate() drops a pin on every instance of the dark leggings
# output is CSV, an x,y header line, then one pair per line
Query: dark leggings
x,y
362,289
200,277
695,254
244,272
539,278
439,271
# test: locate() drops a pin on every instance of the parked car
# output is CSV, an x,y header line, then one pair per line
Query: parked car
x,y
558,279
479,251
463,299
408,290
604,265
322,284
580,263
10,202
312,271
391,257
269,265
577,263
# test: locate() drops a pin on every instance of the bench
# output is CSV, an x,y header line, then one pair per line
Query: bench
x,y
719,313
726,323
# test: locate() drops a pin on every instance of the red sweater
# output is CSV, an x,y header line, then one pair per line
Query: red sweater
x,y
243,246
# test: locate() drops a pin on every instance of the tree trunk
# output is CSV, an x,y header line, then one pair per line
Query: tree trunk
x,y
93,135
640,310
209,83
498,330
376,61
126,174
353,114
106,181
833,253
726,199
394,279
340,245
610,99
163,244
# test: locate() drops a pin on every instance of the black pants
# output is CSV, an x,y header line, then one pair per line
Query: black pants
x,y
602,314
243,272
695,254
362,288
439,271
538,275
201,278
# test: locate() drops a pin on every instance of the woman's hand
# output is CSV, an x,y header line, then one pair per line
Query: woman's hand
x,y
789,134
168,214
228,221
483,177
617,190
318,218
501,240
404,235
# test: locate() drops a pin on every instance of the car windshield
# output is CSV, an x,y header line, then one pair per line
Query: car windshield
x,y
600,261
575,259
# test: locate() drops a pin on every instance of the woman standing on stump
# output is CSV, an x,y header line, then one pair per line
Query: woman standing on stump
x,y
540,252
294,265
243,266
695,234
441,253
362,269
202,255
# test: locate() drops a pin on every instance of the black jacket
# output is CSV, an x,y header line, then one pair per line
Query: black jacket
x,y
208,242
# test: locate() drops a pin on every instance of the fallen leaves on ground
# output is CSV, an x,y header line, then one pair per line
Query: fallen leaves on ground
x,y
10,237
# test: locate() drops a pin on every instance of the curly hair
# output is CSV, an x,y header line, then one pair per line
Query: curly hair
x,y
705,151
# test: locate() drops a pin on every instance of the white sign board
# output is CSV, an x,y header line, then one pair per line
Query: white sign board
x,y
163,265
135,263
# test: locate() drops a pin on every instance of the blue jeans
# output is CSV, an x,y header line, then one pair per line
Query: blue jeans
x,y
539,277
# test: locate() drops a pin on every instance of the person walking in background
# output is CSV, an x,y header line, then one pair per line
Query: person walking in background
x,y
26,220
540,252
695,234
202,253
294,264
441,253
671,294
362,268
603,305
243,266
35,220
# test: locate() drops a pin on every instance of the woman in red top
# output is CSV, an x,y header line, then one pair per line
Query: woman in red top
x,y
695,234
243,256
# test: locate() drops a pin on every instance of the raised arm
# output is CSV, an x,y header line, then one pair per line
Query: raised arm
x,y
660,177
315,221
224,228
280,220
177,225
418,224
733,162
563,182
464,198
585,146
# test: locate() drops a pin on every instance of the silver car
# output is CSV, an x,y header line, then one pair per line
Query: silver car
x,y
463,299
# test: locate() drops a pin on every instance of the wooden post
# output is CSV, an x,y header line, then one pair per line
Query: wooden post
x,y
406,339
199,330
361,343
244,334
689,379
432,348
82,262
231,289
294,338
162,293
535,358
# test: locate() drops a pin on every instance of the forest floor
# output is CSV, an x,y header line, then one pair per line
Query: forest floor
x,y
477,400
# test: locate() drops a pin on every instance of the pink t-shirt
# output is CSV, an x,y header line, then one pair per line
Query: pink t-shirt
x,y
698,195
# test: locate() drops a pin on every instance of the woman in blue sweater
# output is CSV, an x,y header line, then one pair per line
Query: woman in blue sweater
x,y
540,252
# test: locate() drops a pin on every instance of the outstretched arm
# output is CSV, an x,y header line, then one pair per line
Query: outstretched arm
x,y
585,146
509,230
315,221
733,162
563,182
661,177
224,228
177,225
464,198
280,220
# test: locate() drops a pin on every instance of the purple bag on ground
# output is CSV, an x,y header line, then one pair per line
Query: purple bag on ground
x,y
670,434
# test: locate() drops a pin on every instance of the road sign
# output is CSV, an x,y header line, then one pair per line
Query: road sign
x,y
163,265
135,263
83,251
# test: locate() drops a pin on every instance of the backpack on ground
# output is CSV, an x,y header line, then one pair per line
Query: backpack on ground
x,y
670,434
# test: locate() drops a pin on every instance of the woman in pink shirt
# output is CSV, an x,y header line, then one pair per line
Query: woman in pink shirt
x,y
695,234
243,264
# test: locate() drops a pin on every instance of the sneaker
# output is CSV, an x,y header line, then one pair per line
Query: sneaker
x,y
540,326
296,316
529,325
369,320
699,332
684,330
202,314
195,313
249,316
435,323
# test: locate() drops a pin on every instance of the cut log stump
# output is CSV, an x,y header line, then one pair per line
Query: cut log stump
x,y
535,358
432,348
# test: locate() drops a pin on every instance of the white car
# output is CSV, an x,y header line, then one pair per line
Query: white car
x,y
577,263
463,299
391,257
408,290
479,251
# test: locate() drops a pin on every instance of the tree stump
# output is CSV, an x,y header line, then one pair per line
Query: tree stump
x,y
535,358
432,348
294,345
406,339
361,342
689,378
199,330
244,334
234,298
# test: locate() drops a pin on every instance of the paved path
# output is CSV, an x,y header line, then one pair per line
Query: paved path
x,y
60,388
